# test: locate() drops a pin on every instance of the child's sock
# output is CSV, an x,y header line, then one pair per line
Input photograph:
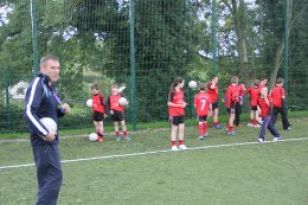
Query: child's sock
x,y
204,128
201,129
173,143
230,128
181,142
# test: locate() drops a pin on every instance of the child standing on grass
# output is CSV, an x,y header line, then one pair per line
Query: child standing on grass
x,y
278,95
232,102
213,93
176,108
117,113
254,92
203,107
264,104
241,88
98,107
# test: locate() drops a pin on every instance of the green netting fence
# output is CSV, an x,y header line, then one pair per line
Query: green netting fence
x,y
145,44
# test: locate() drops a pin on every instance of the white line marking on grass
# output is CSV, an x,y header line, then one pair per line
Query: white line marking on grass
x,y
158,152
82,136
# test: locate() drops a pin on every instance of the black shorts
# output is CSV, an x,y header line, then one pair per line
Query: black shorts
x,y
254,108
117,116
98,116
202,118
214,105
176,120
232,108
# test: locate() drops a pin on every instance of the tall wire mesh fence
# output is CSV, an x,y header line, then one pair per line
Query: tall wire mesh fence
x,y
171,38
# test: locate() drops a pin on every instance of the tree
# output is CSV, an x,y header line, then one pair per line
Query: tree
x,y
274,31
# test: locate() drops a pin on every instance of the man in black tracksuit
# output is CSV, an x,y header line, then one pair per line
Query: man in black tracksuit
x,y
42,101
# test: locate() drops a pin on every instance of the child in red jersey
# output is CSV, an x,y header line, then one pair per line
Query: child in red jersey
x,y
254,92
203,106
213,93
232,102
117,113
98,107
176,108
278,95
264,104
242,90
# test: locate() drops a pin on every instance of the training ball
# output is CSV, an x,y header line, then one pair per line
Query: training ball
x,y
123,101
49,123
89,103
122,88
192,84
93,137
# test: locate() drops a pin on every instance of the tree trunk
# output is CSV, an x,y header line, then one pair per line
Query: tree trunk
x,y
279,51
277,64
240,29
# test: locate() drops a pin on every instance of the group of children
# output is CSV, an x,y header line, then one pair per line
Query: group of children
x,y
116,111
264,108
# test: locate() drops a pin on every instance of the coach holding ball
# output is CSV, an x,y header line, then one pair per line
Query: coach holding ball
x,y
43,102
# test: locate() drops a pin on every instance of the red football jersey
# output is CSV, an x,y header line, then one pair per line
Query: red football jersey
x,y
254,94
202,103
213,93
276,95
98,103
242,89
114,103
176,97
232,95
265,109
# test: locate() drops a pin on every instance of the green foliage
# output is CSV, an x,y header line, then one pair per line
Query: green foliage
x,y
172,38
12,121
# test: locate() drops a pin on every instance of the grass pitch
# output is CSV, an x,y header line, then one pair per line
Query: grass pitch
x,y
261,173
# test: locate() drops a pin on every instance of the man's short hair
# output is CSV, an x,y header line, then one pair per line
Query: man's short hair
x,y
46,58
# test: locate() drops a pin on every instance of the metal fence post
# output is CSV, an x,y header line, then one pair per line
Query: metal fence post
x,y
286,49
132,64
34,36
214,38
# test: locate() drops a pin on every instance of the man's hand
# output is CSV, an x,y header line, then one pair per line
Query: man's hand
x,y
66,107
51,136
111,112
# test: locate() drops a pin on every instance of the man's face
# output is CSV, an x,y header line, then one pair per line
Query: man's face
x,y
52,69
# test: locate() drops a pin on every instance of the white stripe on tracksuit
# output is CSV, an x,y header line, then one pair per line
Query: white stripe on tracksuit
x,y
28,108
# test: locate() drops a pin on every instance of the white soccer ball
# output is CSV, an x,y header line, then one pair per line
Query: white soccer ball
x,y
192,84
123,101
49,123
89,103
121,88
93,137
